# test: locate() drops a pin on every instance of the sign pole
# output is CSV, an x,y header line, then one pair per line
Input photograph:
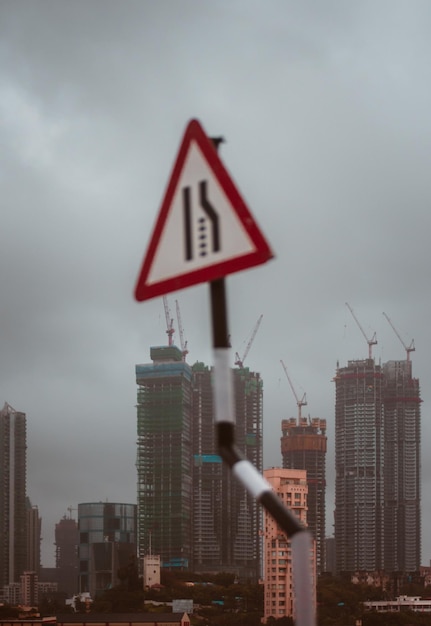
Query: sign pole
x,y
244,470
256,485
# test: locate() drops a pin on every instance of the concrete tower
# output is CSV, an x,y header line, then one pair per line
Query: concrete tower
x,y
13,514
303,447
402,490
164,457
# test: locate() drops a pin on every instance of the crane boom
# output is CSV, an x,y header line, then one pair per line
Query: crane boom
x,y
169,321
240,361
181,331
408,349
299,403
371,342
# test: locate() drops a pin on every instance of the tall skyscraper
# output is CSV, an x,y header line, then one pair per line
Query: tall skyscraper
x,y
359,459
107,543
377,456
13,473
226,520
164,457
402,497
303,447
191,510
291,486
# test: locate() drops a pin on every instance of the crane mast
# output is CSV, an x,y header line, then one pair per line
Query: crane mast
x,y
371,342
299,403
183,342
408,349
169,321
240,361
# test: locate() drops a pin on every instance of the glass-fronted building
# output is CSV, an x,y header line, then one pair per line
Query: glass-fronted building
x,y
107,542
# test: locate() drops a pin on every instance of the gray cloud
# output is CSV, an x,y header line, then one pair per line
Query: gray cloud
x,y
326,115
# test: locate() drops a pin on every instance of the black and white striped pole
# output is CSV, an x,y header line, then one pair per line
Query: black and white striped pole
x,y
244,470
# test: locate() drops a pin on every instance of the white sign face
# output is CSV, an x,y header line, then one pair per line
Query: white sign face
x,y
204,230
201,227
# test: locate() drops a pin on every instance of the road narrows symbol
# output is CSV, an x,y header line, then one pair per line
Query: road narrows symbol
x,y
211,215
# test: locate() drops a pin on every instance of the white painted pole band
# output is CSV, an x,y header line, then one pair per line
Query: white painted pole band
x,y
252,480
303,586
223,386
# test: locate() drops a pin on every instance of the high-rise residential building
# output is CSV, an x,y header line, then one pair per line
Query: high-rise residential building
x,y
13,518
107,543
226,520
66,555
402,475
164,457
303,446
291,486
191,511
29,589
359,460
377,456
34,527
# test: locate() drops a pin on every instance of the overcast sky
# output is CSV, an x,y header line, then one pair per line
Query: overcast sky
x,y
325,108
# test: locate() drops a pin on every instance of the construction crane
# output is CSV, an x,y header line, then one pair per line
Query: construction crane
x,y
371,342
181,331
240,361
70,509
408,349
169,321
299,403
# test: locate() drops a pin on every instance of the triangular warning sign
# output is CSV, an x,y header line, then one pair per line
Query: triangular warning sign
x,y
204,230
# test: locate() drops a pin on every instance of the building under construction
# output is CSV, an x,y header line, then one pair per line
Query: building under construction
x,y
191,511
164,457
359,457
377,458
377,455
303,446
402,512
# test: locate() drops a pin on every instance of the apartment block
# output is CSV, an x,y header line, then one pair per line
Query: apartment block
x,y
291,486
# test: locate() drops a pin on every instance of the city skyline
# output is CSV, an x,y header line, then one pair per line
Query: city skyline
x,y
325,115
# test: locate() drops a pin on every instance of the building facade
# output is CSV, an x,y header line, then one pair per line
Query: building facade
x,y
226,520
402,474
191,511
303,446
291,486
377,456
164,458
107,542
66,555
13,512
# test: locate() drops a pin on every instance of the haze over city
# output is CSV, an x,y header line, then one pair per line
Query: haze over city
x,y
325,111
